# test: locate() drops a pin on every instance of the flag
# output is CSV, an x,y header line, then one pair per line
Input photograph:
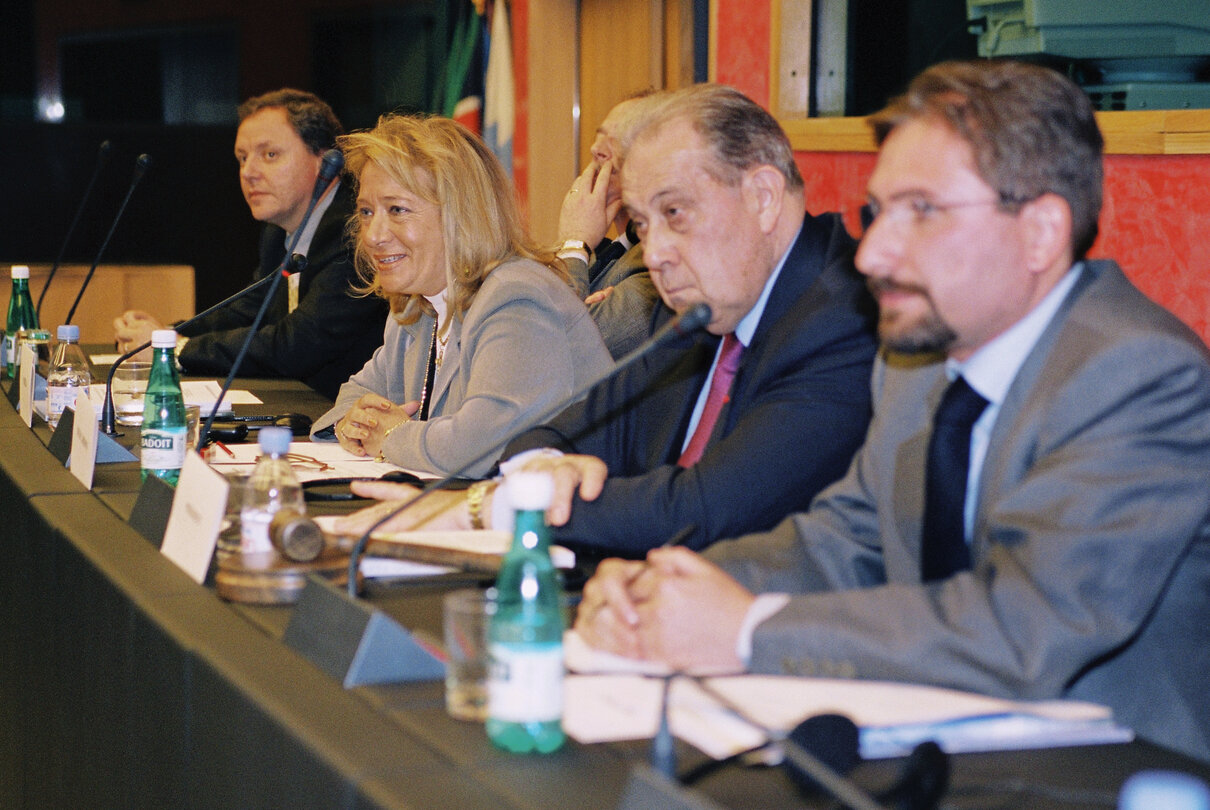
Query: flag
x,y
499,93
461,91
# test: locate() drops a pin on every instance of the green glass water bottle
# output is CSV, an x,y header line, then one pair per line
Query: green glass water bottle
x,y
21,315
525,635
163,432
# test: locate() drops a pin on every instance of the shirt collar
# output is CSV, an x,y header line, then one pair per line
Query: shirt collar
x,y
308,232
992,369
746,328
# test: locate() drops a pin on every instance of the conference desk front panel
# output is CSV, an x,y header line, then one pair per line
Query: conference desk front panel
x,y
125,684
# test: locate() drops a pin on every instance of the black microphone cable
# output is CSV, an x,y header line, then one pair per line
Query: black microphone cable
x,y
102,156
141,164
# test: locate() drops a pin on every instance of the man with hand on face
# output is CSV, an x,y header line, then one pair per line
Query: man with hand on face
x,y
722,431
608,274
316,329
1028,515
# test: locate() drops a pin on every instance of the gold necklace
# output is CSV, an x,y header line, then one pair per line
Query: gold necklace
x,y
441,343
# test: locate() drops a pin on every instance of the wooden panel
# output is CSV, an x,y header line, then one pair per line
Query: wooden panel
x,y
1152,132
551,157
790,78
678,44
164,290
616,58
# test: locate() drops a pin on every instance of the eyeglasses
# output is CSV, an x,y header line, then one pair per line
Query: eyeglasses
x,y
914,210
307,462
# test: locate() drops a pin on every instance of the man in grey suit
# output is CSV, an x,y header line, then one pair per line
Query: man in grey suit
x,y
1082,567
608,274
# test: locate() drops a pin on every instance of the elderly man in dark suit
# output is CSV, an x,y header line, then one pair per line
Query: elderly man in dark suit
x,y
727,431
1028,515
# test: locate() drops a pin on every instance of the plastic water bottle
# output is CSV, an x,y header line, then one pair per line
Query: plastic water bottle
x,y
69,373
272,486
1164,790
21,315
525,635
163,432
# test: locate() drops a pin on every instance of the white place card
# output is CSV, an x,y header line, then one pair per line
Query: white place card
x,y
84,440
196,517
25,376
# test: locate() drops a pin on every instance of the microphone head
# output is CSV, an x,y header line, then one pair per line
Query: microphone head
x,y
830,738
295,264
696,317
333,161
104,148
141,164
924,780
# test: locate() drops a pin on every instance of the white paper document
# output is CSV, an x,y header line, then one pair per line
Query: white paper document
x,y
892,717
479,542
203,393
312,461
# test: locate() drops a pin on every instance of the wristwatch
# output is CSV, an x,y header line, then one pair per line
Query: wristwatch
x,y
570,245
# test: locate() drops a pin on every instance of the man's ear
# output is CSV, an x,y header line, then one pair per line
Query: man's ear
x,y
1048,231
764,189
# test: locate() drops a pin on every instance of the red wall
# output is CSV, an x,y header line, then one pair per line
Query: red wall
x,y
1156,218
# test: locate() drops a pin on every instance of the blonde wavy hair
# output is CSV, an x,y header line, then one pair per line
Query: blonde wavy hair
x,y
446,164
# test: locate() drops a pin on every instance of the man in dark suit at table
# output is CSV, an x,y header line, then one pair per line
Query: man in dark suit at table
x,y
729,430
316,329
1028,515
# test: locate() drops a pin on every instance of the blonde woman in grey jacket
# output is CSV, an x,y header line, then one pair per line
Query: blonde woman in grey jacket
x,y
485,329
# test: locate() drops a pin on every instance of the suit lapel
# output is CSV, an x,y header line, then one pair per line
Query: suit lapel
x,y
1013,443
804,264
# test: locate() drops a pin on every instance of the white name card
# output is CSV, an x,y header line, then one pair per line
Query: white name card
x,y
196,517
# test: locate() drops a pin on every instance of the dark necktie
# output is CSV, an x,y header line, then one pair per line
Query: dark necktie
x,y
605,257
943,539
720,390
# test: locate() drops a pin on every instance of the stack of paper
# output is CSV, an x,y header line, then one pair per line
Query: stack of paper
x,y
620,700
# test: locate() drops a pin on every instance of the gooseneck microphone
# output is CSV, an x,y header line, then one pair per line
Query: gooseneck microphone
x,y
821,749
329,169
107,410
692,319
102,157
141,165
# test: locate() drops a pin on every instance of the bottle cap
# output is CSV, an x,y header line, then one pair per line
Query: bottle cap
x,y
20,271
530,490
163,339
274,440
68,331
1168,789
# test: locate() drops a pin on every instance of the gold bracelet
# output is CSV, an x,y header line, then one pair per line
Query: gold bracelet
x,y
380,458
475,494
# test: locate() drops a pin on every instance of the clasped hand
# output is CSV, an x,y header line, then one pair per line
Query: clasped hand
x,y
133,328
675,607
363,429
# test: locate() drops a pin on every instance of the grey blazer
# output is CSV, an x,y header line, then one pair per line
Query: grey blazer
x,y
625,315
524,345
1091,575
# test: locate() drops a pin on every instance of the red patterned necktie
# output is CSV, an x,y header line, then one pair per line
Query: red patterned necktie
x,y
720,389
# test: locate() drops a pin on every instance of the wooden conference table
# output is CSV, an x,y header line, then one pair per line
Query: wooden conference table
x,y
125,684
